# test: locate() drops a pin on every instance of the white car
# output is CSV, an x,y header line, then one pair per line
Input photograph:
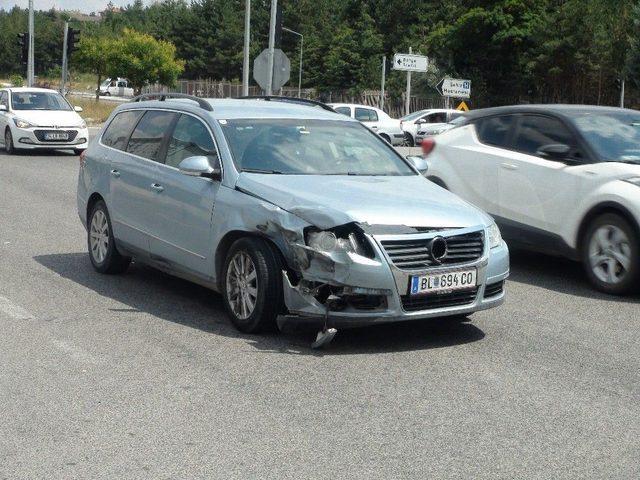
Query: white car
x,y
558,179
432,118
375,119
38,118
118,87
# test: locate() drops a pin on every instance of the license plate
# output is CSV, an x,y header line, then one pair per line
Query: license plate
x,y
458,280
56,136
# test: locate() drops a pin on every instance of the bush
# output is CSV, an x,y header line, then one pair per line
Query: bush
x,y
16,81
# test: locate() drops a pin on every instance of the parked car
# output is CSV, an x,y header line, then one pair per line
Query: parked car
x,y
433,129
430,118
287,210
557,178
375,119
42,119
117,87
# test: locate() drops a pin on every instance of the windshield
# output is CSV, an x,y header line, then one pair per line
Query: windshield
x,y
615,136
310,147
38,101
413,116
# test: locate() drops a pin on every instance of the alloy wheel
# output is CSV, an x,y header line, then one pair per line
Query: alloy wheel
x,y
99,236
610,254
242,285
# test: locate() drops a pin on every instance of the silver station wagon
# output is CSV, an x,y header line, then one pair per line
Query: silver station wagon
x,y
289,210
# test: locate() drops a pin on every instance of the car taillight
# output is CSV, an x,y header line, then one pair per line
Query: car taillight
x,y
82,159
428,144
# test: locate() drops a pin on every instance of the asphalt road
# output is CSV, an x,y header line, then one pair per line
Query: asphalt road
x,y
142,376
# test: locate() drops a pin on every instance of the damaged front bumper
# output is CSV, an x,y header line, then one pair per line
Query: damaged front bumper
x,y
352,290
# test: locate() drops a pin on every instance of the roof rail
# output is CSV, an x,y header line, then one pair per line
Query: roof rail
x,y
163,96
277,98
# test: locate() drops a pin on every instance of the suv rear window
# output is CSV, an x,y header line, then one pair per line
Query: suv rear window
x,y
495,130
118,131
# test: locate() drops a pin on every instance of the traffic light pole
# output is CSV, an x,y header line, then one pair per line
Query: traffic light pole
x,y
272,42
30,60
245,50
63,81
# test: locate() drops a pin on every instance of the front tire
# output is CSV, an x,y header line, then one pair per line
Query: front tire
x,y
8,142
610,255
78,151
103,252
252,285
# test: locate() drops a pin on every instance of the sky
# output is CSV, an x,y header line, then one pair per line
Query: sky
x,y
86,6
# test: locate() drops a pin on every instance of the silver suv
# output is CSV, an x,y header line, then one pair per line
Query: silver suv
x,y
288,209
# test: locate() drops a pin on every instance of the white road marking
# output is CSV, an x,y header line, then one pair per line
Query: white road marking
x,y
75,352
14,311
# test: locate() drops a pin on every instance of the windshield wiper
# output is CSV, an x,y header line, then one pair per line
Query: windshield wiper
x,y
257,170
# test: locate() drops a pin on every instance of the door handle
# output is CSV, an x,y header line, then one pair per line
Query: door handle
x,y
157,187
509,166
373,127
115,173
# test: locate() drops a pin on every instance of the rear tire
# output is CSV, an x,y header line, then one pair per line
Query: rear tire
x,y
103,252
251,285
611,255
408,140
386,138
8,142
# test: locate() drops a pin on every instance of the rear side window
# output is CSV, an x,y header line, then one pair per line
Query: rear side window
x,y
537,130
148,135
343,110
366,115
190,138
495,130
118,131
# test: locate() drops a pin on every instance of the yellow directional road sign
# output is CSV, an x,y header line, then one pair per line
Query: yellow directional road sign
x,y
463,107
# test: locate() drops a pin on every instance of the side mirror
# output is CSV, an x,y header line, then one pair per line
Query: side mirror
x,y
554,151
77,108
420,163
420,121
199,166
3,108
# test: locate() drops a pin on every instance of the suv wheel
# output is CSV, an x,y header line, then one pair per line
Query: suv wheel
x,y
8,142
610,254
103,253
252,285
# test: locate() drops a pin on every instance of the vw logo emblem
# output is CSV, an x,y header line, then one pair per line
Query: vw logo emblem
x,y
438,249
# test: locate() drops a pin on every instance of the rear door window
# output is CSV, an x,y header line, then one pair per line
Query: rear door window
x,y
366,115
495,131
147,138
118,131
190,138
539,130
344,110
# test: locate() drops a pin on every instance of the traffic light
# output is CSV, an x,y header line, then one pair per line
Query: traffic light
x,y
23,42
278,37
73,37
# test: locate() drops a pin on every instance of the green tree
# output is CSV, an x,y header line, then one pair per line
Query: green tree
x,y
142,59
96,55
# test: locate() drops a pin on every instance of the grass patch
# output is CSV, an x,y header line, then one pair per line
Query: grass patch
x,y
94,113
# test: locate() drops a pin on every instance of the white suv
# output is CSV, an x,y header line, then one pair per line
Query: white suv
x,y
374,119
558,179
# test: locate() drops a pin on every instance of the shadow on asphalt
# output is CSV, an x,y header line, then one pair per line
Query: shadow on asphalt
x,y
38,153
144,289
558,275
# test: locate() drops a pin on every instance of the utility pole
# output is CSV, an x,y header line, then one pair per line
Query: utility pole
x,y
247,40
30,61
622,92
63,80
384,72
300,67
272,41
407,105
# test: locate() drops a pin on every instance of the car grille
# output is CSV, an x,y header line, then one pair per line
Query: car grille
x,y
411,254
493,289
414,303
40,135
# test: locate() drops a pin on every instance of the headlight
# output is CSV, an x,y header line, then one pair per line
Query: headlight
x,y
633,180
327,241
495,239
22,123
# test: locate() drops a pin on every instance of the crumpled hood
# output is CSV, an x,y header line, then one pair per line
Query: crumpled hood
x,y
327,201
49,118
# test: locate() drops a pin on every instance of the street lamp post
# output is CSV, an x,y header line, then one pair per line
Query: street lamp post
x,y
300,69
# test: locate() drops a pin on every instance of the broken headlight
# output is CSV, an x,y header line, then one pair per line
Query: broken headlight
x,y
339,240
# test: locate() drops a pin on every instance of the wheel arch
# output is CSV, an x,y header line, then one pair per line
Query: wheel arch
x,y
94,198
438,181
225,244
601,209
